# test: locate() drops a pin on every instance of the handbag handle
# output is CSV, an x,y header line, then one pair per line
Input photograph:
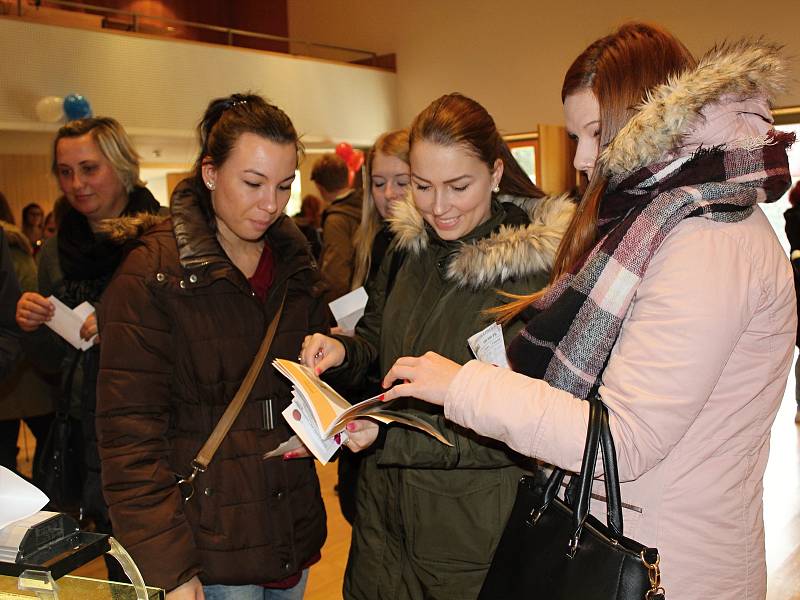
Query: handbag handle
x,y
610,473
579,490
65,398
580,508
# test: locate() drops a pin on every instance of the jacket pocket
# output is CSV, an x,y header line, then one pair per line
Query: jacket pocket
x,y
455,517
206,501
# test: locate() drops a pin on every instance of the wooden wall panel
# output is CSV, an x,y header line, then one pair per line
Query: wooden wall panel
x,y
556,152
26,178
173,179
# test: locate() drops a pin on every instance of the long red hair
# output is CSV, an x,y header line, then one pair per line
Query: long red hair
x,y
619,69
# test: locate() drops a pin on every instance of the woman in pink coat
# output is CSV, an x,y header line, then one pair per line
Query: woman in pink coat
x,y
671,296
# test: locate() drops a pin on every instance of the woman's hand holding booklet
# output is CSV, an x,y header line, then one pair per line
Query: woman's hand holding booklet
x,y
318,414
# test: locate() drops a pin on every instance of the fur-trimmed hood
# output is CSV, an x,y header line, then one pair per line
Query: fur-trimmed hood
x,y
124,229
750,69
15,237
511,251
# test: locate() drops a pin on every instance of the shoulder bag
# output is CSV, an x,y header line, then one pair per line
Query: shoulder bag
x,y
554,549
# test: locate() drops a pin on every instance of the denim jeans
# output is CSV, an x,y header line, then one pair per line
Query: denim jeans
x,y
256,592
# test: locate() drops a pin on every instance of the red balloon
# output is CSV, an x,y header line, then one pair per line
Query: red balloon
x,y
356,160
344,150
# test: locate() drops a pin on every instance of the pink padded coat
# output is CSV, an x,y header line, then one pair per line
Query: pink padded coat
x,y
692,387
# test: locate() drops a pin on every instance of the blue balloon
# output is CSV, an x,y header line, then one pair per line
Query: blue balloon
x,y
76,107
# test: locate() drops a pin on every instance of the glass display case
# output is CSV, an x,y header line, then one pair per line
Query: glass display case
x,y
38,553
70,587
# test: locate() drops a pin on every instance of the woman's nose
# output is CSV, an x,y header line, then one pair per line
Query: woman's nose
x,y
440,206
76,180
585,156
269,202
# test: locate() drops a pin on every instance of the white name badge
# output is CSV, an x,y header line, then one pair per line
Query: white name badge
x,y
489,346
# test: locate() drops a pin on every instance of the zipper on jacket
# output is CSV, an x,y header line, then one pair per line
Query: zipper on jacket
x,y
267,418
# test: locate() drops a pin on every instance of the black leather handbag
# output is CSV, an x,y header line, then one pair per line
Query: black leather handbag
x,y
59,473
555,550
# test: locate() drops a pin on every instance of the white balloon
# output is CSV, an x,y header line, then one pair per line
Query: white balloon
x,y
50,109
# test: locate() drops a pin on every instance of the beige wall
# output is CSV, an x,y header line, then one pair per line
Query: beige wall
x,y
511,54
160,87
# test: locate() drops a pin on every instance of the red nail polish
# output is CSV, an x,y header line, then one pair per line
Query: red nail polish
x,y
289,456
316,370
381,397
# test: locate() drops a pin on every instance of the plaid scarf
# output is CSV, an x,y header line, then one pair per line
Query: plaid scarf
x,y
574,326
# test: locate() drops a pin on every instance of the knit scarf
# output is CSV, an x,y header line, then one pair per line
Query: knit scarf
x,y
574,326
87,260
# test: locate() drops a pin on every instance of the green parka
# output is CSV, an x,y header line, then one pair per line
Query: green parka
x,y
28,391
430,516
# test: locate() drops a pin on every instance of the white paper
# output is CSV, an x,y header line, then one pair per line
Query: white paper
x,y
304,427
489,346
293,443
67,322
18,498
348,309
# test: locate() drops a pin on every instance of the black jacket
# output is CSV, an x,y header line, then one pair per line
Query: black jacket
x,y
75,266
9,295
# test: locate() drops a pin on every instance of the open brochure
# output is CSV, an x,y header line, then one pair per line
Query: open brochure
x,y
318,414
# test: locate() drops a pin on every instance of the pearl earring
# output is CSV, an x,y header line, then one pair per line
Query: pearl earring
x,y
496,189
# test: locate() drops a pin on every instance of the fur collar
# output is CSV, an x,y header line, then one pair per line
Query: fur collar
x,y
510,252
124,229
746,69
15,237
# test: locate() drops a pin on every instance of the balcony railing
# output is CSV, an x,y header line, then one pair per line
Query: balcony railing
x,y
112,18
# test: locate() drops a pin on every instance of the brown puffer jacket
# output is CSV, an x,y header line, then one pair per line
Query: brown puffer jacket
x,y
337,262
180,327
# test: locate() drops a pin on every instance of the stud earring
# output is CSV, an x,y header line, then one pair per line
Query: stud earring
x,y
210,185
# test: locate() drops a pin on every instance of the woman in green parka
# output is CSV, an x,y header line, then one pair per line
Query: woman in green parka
x,y
28,393
429,515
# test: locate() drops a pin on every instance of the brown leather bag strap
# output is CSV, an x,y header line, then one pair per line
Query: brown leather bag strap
x,y
203,458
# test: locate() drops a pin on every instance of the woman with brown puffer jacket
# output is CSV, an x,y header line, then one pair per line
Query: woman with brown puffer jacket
x,y
181,324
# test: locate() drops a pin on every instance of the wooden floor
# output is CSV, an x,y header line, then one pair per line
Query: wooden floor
x,y
781,516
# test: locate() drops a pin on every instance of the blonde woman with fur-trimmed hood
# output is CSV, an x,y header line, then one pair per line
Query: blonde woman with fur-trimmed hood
x,y
671,296
388,179
430,516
